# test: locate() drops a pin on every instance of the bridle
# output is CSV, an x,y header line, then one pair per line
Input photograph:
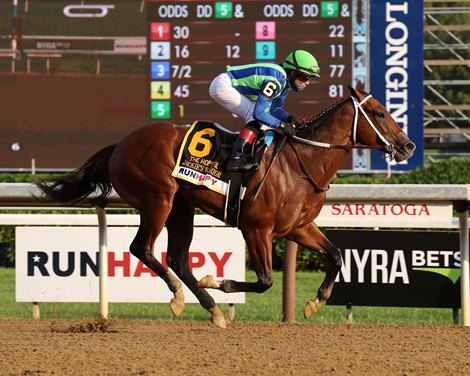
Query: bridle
x,y
386,148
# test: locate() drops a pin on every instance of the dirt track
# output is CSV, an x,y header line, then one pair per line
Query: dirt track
x,y
46,347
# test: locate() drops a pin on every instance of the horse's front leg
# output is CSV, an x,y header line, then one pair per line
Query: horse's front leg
x,y
310,236
259,243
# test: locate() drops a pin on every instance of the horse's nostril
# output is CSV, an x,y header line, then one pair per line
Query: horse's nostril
x,y
410,147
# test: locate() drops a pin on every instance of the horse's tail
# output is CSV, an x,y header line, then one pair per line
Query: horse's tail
x,y
79,184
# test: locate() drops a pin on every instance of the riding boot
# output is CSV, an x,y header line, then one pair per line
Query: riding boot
x,y
238,160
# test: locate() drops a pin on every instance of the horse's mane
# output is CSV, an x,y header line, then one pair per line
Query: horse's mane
x,y
317,120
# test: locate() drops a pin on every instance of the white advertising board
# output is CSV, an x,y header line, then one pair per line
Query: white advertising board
x,y
386,214
129,45
60,264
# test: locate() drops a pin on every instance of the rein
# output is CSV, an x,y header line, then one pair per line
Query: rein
x,y
317,187
387,148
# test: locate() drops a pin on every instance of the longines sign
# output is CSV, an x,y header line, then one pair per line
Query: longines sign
x,y
396,71
397,268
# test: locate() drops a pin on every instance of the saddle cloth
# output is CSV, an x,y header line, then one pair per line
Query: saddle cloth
x,y
203,154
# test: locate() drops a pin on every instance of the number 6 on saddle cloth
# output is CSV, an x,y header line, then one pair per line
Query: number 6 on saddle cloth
x,y
202,158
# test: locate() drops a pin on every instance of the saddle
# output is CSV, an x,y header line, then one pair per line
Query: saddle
x,y
202,161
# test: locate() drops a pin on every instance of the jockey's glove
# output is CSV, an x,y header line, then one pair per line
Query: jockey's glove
x,y
288,129
292,119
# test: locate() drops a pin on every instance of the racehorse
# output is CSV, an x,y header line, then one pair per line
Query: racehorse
x,y
140,169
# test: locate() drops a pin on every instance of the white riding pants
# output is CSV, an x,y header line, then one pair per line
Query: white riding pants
x,y
222,91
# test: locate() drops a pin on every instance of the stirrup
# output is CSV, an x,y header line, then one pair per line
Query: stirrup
x,y
238,164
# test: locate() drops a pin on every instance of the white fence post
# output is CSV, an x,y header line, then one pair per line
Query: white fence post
x,y
103,257
464,268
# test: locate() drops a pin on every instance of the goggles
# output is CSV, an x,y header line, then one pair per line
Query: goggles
x,y
303,77
307,77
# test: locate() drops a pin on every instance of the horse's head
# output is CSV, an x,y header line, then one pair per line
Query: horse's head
x,y
374,126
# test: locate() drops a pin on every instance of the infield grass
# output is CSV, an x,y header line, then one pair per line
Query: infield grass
x,y
265,307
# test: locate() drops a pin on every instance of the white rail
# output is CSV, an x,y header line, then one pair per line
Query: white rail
x,y
21,195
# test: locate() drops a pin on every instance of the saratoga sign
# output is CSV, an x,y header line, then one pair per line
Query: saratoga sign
x,y
61,264
380,209
386,214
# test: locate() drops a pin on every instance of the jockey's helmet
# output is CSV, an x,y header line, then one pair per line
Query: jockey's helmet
x,y
303,65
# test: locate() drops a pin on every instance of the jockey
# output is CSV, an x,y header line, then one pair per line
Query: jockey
x,y
256,94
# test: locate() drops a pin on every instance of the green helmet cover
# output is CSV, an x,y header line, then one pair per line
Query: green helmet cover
x,y
302,61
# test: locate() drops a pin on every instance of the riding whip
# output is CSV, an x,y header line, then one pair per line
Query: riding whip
x,y
276,153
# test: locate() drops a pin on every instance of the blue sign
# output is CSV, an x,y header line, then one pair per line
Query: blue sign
x,y
160,70
265,50
396,70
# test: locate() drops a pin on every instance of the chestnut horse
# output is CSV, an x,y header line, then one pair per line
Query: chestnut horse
x,y
140,166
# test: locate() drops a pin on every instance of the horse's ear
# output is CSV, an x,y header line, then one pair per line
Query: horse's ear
x,y
358,93
353,92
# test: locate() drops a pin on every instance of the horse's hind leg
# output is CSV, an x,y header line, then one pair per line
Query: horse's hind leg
x,y
180,225
259,245
151,225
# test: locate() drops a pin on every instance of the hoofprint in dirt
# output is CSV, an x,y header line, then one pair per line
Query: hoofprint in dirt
x,y
125,347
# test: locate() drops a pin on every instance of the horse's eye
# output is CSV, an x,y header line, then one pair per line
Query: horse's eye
x,y
380,114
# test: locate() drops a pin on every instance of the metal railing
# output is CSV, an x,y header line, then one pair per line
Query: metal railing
x,y
20,195
445,121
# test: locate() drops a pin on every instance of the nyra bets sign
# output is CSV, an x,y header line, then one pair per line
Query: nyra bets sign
x,y
397,268
61,264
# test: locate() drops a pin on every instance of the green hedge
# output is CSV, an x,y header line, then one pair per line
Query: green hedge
x,y
452,171
448,171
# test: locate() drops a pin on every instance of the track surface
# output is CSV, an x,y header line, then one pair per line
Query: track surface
x,y
62,347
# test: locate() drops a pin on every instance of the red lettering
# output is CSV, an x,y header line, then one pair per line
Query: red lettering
x,y
410,209
360,209
397,209
379,209
141,268
196,260
373,209
125,264
336,209
424,209
164,263
220,263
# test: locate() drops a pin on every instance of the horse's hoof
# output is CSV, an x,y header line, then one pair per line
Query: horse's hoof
x,y
217,318
177,303
311,307
230,313
208,282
